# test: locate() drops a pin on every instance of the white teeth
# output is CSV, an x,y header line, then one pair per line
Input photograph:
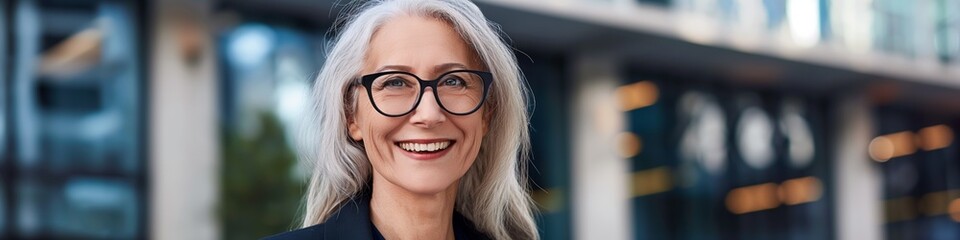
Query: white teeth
x,y
424,147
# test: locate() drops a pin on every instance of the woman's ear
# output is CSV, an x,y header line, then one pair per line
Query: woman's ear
x,y
354,129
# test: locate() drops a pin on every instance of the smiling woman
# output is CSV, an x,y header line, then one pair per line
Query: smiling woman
x,y
419,129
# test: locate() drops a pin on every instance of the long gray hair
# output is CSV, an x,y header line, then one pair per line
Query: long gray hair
x,y
493,192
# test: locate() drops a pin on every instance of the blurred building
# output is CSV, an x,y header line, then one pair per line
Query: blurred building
x,y
654,119
73,127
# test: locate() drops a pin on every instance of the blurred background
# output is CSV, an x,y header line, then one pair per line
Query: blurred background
x,y
654,119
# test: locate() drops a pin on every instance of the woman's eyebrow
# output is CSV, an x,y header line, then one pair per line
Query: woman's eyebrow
x,y
448,66
394,68
437,69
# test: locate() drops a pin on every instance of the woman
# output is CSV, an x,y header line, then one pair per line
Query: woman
x,y
420,129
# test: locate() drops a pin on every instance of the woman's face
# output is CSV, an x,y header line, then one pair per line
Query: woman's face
x,y
426,47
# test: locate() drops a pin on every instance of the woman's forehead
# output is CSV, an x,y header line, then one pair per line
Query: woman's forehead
x,y
417,43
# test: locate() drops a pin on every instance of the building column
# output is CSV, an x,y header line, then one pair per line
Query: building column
x,y
859,187
183,124
601,199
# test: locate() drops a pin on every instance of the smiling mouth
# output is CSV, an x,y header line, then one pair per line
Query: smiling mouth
x,y
425,147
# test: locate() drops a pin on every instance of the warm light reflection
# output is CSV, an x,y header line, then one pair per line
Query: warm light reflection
x,y
935,137
752,198
955,209
651,181
900,209
630,144
637,95
74,55
898,144
881,149
893,145
933,204
800,190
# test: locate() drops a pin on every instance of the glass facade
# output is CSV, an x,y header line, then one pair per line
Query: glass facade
x,y
947,20
716,162
549,169
76,169
916,30
920,183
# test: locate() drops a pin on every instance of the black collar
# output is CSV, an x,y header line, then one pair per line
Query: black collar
x,y
352,222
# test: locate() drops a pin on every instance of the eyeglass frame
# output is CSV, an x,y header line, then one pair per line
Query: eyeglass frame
x,y
367,82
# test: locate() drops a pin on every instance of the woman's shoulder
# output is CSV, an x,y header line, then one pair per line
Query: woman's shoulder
x,y
351,221
467,228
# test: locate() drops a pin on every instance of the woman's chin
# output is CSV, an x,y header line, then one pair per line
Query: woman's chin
x,y
427,186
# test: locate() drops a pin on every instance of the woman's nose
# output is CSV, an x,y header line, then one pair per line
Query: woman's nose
x,y
428,113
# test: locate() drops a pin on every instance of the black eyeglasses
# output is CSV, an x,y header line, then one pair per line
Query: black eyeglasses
x,y
397,93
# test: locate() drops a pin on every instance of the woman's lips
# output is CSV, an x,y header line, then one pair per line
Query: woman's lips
x,y
420,149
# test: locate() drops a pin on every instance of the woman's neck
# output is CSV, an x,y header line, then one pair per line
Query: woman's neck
x,y
401,215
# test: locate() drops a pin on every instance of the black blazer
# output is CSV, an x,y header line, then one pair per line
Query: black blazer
x,y
352,222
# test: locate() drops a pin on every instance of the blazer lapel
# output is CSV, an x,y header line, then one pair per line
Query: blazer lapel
x,y
351,222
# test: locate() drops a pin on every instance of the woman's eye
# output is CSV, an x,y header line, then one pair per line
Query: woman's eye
x,y
395,82
454,81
